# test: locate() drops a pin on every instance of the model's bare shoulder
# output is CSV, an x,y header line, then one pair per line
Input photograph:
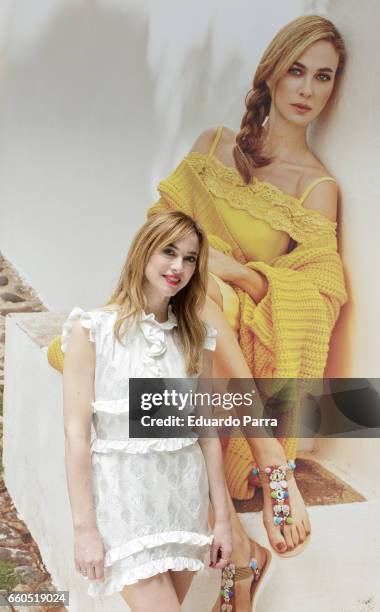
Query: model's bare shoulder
x,y
323,198
229,135
204,141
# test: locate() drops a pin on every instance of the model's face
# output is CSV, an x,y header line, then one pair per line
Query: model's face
x,y
302,93
170,268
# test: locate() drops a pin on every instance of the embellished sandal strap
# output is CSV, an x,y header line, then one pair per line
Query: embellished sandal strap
x,y
265,475
232,574
277,477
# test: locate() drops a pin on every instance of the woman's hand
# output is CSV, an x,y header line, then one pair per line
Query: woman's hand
x,y
89,553
222,541
224,266
235,273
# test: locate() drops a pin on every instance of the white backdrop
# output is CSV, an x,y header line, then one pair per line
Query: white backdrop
x,y
98,101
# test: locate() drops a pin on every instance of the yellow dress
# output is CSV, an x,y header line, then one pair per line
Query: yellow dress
x,y
285,335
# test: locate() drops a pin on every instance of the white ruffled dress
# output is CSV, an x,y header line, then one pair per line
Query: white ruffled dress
x,y
151,495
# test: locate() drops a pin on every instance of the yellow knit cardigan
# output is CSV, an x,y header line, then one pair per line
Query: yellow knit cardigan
x,y
287,334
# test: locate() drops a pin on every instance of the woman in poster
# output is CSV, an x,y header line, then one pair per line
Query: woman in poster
x,y
276,285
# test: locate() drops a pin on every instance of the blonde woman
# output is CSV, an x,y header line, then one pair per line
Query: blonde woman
x,y
275,289
140,506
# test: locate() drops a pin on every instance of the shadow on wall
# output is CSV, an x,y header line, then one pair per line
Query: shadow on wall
x,y
82,126
340,360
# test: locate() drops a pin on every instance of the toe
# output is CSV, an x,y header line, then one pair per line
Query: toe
x,y
301,531
307,526
276,538
288,537
295,535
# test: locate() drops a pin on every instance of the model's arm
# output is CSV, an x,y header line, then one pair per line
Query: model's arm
x,y
78,392
322,199
212,453
224,266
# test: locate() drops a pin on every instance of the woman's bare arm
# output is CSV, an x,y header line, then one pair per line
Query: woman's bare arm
x,y
78,393
212,453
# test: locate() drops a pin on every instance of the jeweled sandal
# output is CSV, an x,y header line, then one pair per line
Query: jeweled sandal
x,y
232,574
277,477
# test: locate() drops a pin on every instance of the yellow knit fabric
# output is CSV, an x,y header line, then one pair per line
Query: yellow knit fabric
x,y
55,355
286,335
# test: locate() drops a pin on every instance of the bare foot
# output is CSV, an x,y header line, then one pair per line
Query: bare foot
x,y
287,537
241,557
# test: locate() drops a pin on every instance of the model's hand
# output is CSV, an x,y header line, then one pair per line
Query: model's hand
x,y
89,553
222,542
224,266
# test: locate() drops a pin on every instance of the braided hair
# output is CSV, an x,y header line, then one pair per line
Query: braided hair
x,y
288,44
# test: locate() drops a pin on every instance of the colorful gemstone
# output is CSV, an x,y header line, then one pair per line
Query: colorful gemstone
x,y
289,520
253,564
273,494
286,494
255,471
273,485
267,470
277,520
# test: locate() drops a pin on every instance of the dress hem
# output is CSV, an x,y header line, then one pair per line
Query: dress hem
x,y
191,538
128,577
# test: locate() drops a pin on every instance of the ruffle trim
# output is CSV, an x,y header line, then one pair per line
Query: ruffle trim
x,y
260,199
136,446
87,321
192,538
147,570
154,334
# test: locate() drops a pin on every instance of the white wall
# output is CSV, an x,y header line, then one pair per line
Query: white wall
x,y
347,139
98,100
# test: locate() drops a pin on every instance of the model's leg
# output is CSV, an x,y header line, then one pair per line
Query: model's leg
x,y
181,582
229,362
156,593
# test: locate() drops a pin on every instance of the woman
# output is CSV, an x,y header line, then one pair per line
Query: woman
x,y
139,506
268,205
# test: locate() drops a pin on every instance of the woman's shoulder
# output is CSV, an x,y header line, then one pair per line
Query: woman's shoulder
x,y
93,320
206,139
319,189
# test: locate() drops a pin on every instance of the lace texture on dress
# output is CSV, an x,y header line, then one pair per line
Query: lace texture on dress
x,y
260,199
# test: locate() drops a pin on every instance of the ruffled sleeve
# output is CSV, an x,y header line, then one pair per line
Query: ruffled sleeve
x,y
210,340
88,321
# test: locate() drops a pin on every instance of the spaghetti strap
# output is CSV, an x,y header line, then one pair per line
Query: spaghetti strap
x,y
215,141
310,188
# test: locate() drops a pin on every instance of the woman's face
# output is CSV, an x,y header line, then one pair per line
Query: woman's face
x,y
302,93
170,268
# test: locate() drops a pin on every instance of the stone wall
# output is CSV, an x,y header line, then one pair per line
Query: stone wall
x,y
21,566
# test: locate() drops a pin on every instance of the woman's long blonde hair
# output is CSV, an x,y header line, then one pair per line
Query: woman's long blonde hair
x,y
286,47
158,232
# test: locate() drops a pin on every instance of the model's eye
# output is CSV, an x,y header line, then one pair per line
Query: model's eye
x,y
322,76
295,71
191,259
168,251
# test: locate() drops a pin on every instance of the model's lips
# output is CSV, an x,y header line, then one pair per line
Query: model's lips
x,y
172,279
302,107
